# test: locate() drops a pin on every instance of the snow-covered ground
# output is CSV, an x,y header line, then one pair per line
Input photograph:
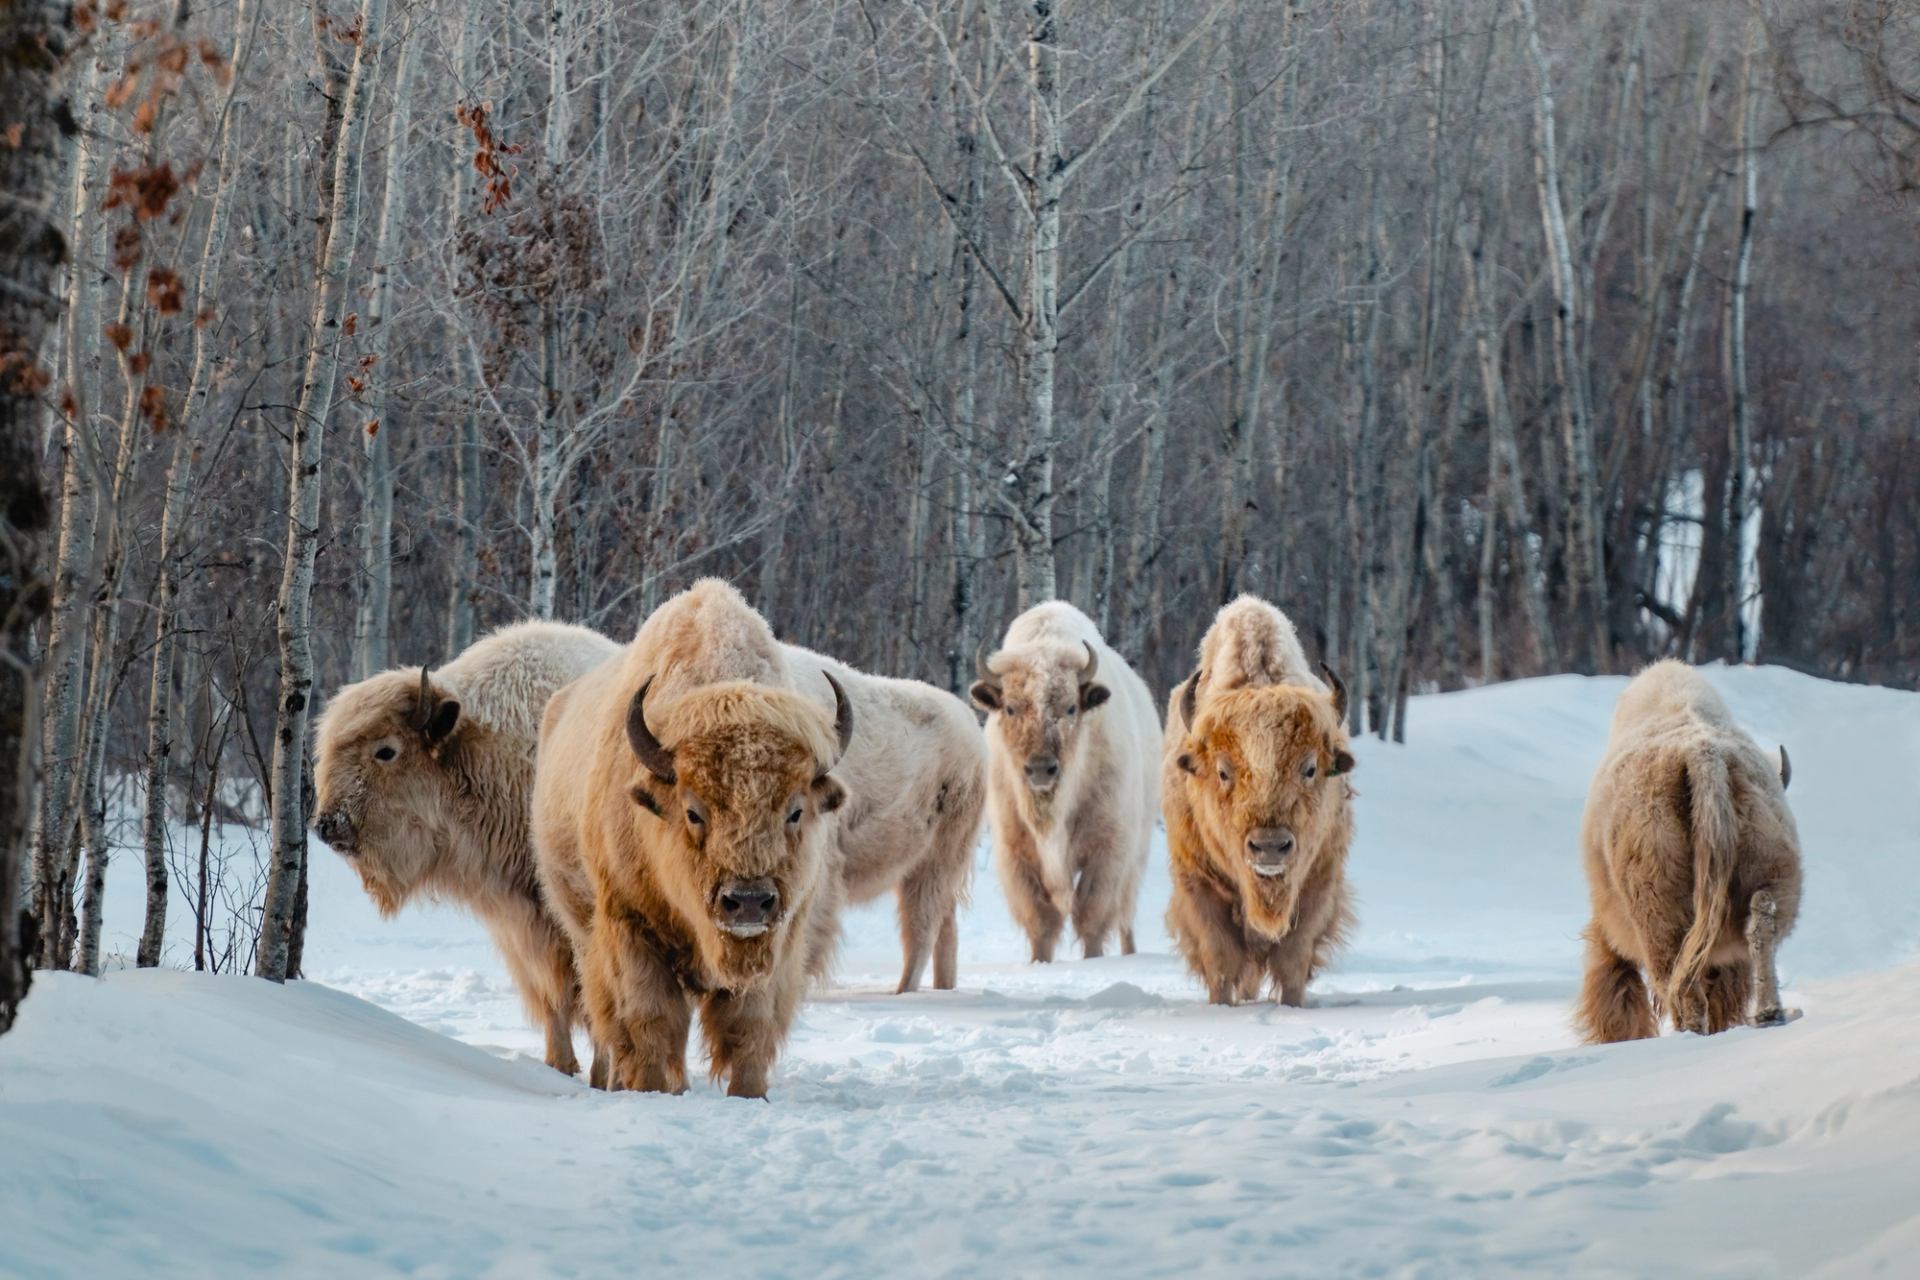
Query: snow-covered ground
x,y
1430,1115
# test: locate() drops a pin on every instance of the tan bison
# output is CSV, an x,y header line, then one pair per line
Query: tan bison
x,y
916,770
1073,784
1693,865
1258,810
423,784
690,854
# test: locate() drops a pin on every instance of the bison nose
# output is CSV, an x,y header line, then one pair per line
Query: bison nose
x,y
746,908
1269,848
336,830
1042,771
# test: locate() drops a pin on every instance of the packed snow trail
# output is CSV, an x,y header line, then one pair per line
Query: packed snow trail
x,y
1430,1115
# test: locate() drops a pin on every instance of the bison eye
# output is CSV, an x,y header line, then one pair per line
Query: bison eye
x,y
1309,769
1226,776
693,816
385,753
793,819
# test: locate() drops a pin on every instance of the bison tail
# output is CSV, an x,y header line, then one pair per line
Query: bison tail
x,y
1714,833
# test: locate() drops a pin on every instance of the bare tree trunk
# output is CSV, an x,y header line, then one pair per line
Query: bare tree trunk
x,y
295,605
173,515
35,35
1583,517
1740,435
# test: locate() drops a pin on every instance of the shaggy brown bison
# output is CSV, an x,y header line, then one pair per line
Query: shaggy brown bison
x,y
1693,865
1073,782
690,855
1257,810
916,771
423,783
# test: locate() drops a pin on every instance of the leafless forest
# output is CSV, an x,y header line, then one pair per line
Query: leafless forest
x,y
1488,339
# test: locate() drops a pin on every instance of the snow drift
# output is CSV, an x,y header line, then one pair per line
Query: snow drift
x,y
1430,1115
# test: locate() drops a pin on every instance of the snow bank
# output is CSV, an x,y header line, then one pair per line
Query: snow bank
x,y
1430,1115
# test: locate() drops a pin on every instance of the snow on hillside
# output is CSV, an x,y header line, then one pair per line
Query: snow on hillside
x,y
1431,1115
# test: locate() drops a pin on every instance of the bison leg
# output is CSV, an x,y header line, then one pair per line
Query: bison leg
x,y
1126,939
1028,900
1292,967
1204,929
1728,989
1103,899
946,952
745,1030
636,1008
1614,1004
1763,935
928,900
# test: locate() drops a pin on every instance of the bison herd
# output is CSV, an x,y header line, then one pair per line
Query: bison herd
x,y
671,826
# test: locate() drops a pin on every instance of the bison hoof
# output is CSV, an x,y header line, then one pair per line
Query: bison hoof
x,y
1776,1017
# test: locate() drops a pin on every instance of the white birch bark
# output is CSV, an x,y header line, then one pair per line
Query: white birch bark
x,y
295,604
1740,434
374,618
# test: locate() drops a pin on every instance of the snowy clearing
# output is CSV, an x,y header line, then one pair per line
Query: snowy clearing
x,y
1431,1115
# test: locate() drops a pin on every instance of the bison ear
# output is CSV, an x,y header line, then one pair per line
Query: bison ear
x,y
1187,763
1093,695
645,799
1342,763
441,721
828,793
984,696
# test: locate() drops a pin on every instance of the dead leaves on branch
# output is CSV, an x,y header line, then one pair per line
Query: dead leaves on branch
x,y
496,175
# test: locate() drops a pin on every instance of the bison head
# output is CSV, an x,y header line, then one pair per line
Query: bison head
x,y
1043,697
740,793
1265,770
383,794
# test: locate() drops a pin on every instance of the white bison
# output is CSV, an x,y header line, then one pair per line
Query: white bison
x,y
1693,864
423,782
1074,784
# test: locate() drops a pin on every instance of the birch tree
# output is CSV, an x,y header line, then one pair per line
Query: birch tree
x,y
308,428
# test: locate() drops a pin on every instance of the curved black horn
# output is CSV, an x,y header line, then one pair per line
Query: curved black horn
x,y
1339,691
1189,695
1093,665
658,759
1786,768
842,715
981,671
423,707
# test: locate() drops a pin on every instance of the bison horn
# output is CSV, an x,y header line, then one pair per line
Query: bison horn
x,y
1339,691
658,759
424,707
1786,768
983,672
1189,696
1093,665
842,715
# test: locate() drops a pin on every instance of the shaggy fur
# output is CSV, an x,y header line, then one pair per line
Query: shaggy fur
x,y
1266,752
446,815
1074,848
1693,865
916,769
635,864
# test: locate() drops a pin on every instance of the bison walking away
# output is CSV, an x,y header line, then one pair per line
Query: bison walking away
x,y
1074,786
1258,810
1693,865
916,772
688,851
423,784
